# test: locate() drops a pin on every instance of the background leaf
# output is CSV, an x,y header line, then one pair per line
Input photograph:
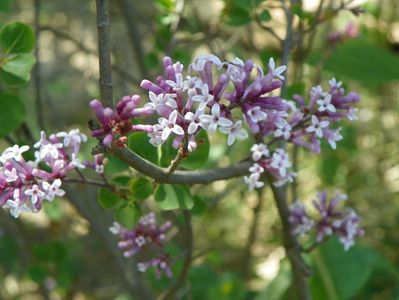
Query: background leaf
x,y
340,274
139,143
360,60
199,157
16,68
17,37
12,113
140,188
171,197
107,199
127,215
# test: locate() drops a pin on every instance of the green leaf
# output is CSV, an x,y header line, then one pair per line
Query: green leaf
x,y
199,205
151,60
12,113
139,144
5,6
115,165
170,197
168,153
360,60
107,199
295,88
16,69
199,157
141,188
243,4
37,273
339,274
237,17
265,16
127,215
17,37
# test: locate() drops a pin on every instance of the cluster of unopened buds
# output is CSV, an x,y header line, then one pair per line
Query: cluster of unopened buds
x,y
329,219
146,235
25,184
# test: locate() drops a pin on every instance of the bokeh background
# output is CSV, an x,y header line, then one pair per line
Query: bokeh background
x,y
66,251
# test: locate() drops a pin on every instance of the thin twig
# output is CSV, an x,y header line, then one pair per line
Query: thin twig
x,y
36,70
175,162
293,251
104,52
88,181
66,36
128,8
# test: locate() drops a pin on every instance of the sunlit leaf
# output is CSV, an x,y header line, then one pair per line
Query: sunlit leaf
x,y
17,37
171,197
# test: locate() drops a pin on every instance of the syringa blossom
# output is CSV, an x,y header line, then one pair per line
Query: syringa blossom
x,y
25,184
330,219
208,96
304,125
146,235
277,164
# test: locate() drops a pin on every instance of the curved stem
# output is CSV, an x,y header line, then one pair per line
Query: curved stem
x,y
184,177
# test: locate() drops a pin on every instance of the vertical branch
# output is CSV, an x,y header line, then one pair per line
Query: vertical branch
x,y
299,268
104,52
188,246
128,11
287,43
36,70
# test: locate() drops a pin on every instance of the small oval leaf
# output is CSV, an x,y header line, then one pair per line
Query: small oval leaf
x,y
17,37
16,69
107,199
127,215
139,144
199,157
140,188
171,197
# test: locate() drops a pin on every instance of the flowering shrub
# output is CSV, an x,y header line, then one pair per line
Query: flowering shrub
x,y
208,99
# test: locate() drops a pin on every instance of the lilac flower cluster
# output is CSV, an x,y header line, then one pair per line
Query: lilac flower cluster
x,y
146,235
330,219
188,103
221,96
277,164
303,125
201,100
115,124
24,185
